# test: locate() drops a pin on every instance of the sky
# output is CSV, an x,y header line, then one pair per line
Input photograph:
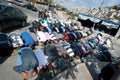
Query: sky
x,y
70,4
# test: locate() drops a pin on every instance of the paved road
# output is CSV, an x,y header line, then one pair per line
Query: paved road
x,y
31,14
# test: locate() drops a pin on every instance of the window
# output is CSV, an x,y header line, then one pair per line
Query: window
x,y
10,11
18,12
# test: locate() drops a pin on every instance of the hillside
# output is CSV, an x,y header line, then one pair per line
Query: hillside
x,y
110,13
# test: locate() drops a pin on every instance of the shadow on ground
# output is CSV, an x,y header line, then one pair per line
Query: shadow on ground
x,y
94,68
5,54
15,28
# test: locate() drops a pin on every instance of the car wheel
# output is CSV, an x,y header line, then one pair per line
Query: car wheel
x,y
23,23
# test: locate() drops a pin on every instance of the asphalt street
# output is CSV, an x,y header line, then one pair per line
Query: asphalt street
x,y
31,14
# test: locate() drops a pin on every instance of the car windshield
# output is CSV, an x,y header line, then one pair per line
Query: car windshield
x,y
2,7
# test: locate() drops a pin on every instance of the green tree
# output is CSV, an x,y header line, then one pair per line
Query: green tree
x,y
48,2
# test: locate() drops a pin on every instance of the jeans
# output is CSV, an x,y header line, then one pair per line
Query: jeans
x,y
26,60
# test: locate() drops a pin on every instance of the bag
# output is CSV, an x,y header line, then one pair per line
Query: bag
x,y
27,39
5,45
16,40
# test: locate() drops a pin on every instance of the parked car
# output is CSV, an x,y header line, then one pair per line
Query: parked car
x,y
21,2
5,45
11,17
30,7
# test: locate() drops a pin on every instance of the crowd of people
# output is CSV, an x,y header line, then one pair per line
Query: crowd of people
x,y
61,42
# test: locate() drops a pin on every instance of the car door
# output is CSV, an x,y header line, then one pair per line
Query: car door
x,y
17,16
2,7
20,16
8,17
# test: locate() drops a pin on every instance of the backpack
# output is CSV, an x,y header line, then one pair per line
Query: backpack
x,y
16,40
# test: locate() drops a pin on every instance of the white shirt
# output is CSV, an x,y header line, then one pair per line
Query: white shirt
x,y
44,24
40,36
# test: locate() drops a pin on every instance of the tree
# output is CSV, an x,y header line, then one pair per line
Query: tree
x,y
33,1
